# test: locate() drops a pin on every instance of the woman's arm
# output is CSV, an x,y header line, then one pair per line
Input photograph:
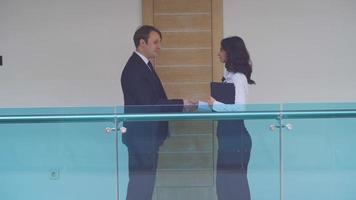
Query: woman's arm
x,y
240,83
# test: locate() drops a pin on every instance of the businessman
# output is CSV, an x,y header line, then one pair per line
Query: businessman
x,y
143,92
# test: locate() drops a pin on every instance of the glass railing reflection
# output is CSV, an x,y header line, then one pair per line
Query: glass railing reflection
x,y
61,159
202,154
318,153
77,153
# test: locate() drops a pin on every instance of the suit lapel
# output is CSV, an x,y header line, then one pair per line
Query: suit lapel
x,y
159,87
151,76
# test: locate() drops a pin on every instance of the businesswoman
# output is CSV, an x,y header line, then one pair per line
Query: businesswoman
x,y
233,138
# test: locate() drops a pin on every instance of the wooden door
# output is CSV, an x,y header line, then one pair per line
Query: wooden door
x,y
188,62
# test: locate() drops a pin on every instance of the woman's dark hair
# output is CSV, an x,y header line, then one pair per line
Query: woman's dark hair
x,y
143,32
237,57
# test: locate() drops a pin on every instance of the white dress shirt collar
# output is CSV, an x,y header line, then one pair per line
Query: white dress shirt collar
x,y
227,75
143,57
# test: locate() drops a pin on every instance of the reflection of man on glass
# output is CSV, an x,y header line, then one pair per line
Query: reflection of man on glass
x,y
143,92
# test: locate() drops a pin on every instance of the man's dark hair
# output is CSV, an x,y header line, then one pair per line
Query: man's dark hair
x,y
143,33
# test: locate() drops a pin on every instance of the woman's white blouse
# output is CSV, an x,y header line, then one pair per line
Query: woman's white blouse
x,y
241,91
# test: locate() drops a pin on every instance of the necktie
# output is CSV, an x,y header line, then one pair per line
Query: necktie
x,y
151,66
152,70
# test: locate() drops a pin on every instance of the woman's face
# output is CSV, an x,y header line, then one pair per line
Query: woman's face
x,y
222,55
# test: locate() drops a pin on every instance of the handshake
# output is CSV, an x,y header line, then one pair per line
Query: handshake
x,y
192,105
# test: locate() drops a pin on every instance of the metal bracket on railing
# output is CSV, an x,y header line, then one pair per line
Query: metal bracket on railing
x,y
273,127
109,130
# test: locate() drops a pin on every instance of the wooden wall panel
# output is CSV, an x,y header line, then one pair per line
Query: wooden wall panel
x,y
184,57
185,74
182,6
198,39
179,193
185,161
192,30
183,22
217,35
188,143
202,177
190,127
190,90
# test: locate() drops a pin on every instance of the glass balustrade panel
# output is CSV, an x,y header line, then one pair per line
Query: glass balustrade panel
x,y
58,159
319,161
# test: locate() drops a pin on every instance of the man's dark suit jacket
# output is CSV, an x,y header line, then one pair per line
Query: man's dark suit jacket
x,y
144,93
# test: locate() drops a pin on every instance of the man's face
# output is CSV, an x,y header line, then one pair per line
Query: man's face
x,y
153,46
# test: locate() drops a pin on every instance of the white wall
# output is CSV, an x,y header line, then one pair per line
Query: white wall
x,y
65,53
71,52
302,51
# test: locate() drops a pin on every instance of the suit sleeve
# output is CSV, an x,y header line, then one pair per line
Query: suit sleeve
x,y
142,91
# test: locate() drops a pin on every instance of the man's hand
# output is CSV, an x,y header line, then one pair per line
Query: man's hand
x,y
211,101
190,105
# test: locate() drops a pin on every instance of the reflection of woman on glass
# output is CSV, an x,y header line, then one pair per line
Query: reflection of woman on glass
x,y
233,138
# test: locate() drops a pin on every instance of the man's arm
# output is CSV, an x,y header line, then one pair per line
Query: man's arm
x,y
144,94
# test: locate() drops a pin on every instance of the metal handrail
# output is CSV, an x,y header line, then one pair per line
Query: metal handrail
x,y
289,114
